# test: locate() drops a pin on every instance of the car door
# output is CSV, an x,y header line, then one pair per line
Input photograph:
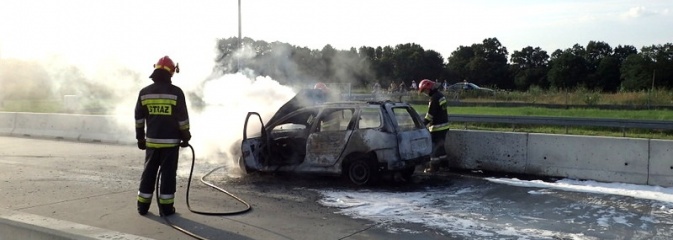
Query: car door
x,y
253,149
413,138
329,136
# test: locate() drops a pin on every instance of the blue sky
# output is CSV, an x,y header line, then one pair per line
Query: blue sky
x,y
135,32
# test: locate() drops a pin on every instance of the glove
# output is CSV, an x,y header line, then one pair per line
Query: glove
x,y
142,145
186,136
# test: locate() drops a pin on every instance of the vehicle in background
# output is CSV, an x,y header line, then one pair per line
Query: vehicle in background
x,y
462,88
358,140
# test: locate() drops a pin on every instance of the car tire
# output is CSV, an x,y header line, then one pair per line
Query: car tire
x,y
362,172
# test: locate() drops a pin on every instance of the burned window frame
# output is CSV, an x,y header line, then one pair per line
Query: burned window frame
x,y
327,111
408,113
365,111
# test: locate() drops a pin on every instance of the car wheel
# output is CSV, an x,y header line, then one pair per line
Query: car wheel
x,y
361,172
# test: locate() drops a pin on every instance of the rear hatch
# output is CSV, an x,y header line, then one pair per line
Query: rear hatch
x,y
413,138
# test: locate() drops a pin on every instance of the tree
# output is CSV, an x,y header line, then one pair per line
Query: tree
x,y
433,65
407,61
622,52
412,62
568,68
529,67
489,65
661,58
636,73
595,53
607,74
459,60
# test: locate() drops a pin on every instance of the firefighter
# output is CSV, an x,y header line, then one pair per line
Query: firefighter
x,y
325,94
161,106
437,122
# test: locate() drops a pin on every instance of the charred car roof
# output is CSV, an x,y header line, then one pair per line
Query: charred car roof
x,y
318,98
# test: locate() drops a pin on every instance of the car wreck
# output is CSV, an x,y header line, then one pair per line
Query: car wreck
x,y
358,140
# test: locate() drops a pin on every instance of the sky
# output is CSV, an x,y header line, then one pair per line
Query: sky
x,y
133,33
455,210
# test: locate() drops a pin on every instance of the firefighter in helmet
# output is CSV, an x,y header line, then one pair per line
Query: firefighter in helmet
x,y
324,94
437,122
162,109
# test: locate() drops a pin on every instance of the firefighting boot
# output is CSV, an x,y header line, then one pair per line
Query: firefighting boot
x,y
143,207
166,209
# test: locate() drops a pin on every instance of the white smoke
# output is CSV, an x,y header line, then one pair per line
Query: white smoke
x,y
217,117
218,128
103,53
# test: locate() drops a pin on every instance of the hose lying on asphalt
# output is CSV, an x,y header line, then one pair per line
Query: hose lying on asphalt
x,y
189,183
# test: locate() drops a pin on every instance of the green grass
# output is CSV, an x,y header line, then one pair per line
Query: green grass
x,y
588,113
550,112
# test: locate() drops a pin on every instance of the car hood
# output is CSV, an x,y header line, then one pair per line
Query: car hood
x,y
304,98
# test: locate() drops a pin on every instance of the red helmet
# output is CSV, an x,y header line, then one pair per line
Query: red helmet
x,y
167,64
425,85
320,86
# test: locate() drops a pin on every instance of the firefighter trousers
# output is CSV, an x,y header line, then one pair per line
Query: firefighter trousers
x,y
438,150
167,159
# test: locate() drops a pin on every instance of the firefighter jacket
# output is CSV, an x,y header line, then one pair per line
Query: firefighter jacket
x,y
162,107
437,117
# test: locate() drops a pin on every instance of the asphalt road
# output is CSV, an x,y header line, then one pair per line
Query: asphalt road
x,y
96,185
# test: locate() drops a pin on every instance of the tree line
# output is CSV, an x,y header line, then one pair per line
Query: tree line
x,y
596,66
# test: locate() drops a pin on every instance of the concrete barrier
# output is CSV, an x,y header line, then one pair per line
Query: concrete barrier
x,y
588,157
100,128
59,126
661,163
7,122
487,150
19,225
610,159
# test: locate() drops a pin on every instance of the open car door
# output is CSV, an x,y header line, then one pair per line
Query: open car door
x,y
254,151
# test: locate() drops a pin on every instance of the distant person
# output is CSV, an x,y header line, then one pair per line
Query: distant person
x,y
401,87
437,122
376,88
392,87
413,85
161,106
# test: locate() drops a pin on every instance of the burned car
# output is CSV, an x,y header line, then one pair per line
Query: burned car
x,y
358,140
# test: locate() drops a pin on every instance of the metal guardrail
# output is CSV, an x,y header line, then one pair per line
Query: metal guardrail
x,y
564,121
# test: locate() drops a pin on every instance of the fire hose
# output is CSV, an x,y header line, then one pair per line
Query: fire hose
x,y
189,182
